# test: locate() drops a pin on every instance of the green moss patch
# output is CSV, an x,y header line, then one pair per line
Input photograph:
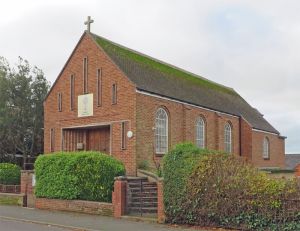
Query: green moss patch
x,y
112,48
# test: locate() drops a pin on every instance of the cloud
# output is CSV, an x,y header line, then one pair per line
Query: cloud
x,y
252,46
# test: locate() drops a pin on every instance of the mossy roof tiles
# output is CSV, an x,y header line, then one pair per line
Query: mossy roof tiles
x,y
154,76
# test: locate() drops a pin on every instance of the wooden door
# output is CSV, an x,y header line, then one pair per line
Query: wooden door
x,y
98,139
71,137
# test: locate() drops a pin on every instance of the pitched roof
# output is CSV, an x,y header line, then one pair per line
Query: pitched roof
x,y
157,77
292,160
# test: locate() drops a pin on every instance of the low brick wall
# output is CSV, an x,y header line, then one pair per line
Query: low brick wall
x,y
90,207
12,199
10,188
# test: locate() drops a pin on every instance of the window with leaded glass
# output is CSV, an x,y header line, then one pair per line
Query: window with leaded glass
x,y
161,131
266,148
228,138
200,133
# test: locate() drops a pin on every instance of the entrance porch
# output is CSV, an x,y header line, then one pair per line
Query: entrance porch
x,y
92,138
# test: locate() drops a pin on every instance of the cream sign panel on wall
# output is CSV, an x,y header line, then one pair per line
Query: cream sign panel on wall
x,y
85,105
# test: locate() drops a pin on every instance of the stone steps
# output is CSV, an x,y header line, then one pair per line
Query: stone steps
x,y
142,196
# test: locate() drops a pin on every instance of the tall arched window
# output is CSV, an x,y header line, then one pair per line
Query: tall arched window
x,y
161,131
228,138
200,133
266,148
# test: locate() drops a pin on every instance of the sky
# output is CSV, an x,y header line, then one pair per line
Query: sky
x,y
251,46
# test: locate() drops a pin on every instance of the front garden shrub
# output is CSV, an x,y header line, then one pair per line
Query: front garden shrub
x,y
10,174
218,189
178,165
77,175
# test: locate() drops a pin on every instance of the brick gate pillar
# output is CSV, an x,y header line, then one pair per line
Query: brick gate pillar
x,y
27,187
119,197
161,217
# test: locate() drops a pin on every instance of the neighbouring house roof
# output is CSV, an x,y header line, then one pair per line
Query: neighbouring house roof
x,y
154,76
292,160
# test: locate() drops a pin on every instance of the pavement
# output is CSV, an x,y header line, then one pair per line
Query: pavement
x,y
11,225
22,219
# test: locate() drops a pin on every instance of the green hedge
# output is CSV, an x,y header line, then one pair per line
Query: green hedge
x,y
77,175
224,191
10,174
178,165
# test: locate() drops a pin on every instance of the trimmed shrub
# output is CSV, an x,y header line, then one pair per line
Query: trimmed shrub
x,y
223,190
10,174
77,175
226,191
178,165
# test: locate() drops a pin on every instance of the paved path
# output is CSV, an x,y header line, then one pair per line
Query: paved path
x,y
73,221
10,225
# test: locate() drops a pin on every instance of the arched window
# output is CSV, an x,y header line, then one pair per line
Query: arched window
x,y
200,133
266,148
228,138
161,131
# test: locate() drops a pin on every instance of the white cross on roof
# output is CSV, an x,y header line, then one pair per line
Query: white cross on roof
x,y
88,22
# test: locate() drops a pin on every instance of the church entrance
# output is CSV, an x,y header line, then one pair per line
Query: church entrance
x,y
87,139
98,139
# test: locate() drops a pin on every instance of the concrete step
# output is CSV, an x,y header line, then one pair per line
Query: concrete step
x,y
143,190
143,210
144,183
136,179
143,194
145,199
143,204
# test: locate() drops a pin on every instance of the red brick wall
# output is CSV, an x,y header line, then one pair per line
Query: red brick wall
x,y
277,150
91,207
124,110
246,139
182,120
10,188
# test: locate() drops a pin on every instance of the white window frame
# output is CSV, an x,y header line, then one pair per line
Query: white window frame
x,y
228,138
266,148
161,131
200,132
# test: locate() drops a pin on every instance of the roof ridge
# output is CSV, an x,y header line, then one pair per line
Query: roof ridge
x,y
162,62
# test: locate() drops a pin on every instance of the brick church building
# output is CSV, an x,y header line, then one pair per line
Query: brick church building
x,y
118,101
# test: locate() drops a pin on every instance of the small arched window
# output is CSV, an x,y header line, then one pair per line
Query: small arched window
x,y
266,148
161,131
200,133
228,138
